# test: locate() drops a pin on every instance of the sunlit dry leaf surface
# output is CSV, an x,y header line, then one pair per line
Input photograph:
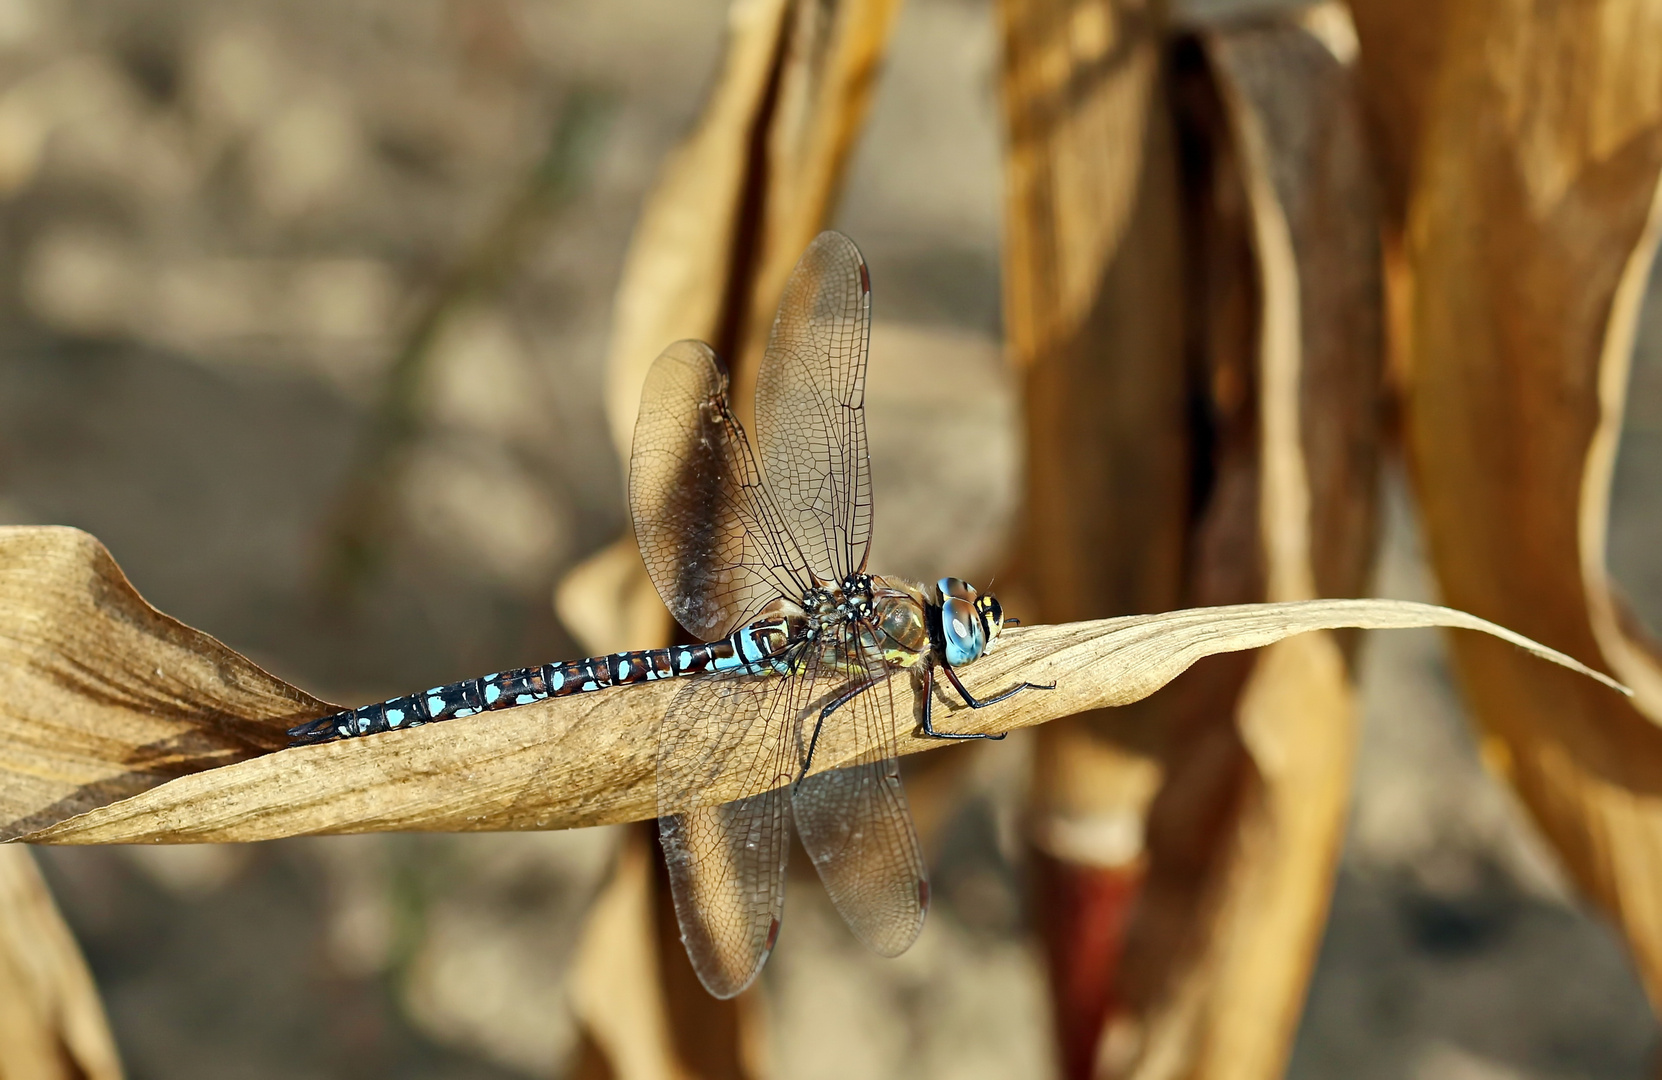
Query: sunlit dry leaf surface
x,y
104,695
559,763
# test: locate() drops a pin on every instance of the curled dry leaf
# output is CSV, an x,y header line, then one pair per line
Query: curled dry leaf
x,y
1215,391
51,1023
1094,314
104,695
559,763
741,198
1526,145
1244,835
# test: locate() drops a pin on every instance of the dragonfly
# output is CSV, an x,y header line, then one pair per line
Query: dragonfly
x,y
798,653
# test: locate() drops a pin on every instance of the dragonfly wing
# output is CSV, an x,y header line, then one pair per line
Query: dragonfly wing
x,y
727,863
810,406
727,874
708,532
856,826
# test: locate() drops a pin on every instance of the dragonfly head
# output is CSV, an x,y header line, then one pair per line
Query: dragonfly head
x,y
969,622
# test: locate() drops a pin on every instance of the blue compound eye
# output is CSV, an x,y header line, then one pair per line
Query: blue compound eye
x,y
961,628
955,588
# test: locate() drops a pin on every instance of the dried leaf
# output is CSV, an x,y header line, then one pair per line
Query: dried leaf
x,y
574,761
104,695
678,276
51,1022
1531,215
1081,83
1093,311
743,196
1277,265
614,977
1218,976
1093,303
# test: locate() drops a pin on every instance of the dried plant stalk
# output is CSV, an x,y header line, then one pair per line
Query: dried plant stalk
x,y
1217,976
1277,265
1529,158
1093,311
52,1024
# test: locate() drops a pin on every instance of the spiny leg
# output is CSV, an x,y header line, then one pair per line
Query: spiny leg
x,y
928,710
969,699
841,699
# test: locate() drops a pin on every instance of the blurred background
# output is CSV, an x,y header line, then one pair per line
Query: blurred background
x,y
305,311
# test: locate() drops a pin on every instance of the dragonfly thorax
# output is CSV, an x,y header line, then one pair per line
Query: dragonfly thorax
x,y
864,616
834,605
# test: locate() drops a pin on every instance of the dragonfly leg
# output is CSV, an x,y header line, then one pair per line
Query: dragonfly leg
x,y
972,701
929,702
841,699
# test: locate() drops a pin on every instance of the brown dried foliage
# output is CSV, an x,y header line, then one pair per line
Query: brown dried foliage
x,y
559,763
1523,148
1193,299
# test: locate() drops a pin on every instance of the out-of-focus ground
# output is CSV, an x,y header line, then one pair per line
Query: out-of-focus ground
x,y
217,219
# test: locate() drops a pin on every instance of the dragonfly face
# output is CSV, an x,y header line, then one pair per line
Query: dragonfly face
x,y
968,622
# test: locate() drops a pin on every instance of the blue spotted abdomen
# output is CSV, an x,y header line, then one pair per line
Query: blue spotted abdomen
x,y
758,648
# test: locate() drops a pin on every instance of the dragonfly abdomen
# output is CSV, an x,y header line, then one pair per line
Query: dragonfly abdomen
x,y
753,648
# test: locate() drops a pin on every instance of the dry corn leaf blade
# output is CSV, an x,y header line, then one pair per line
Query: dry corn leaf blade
x,y
567,762
614,982
1093,306
52,1024
1080,83
1221,986
676,280
747,191
1531,221
1093,300
104,695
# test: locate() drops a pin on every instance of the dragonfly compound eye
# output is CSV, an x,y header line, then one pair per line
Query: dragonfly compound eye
x,y
962,631
955,589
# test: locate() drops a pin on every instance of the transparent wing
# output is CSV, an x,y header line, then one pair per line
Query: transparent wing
x,y
810,406
727,863
727,876
712,540
854,821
